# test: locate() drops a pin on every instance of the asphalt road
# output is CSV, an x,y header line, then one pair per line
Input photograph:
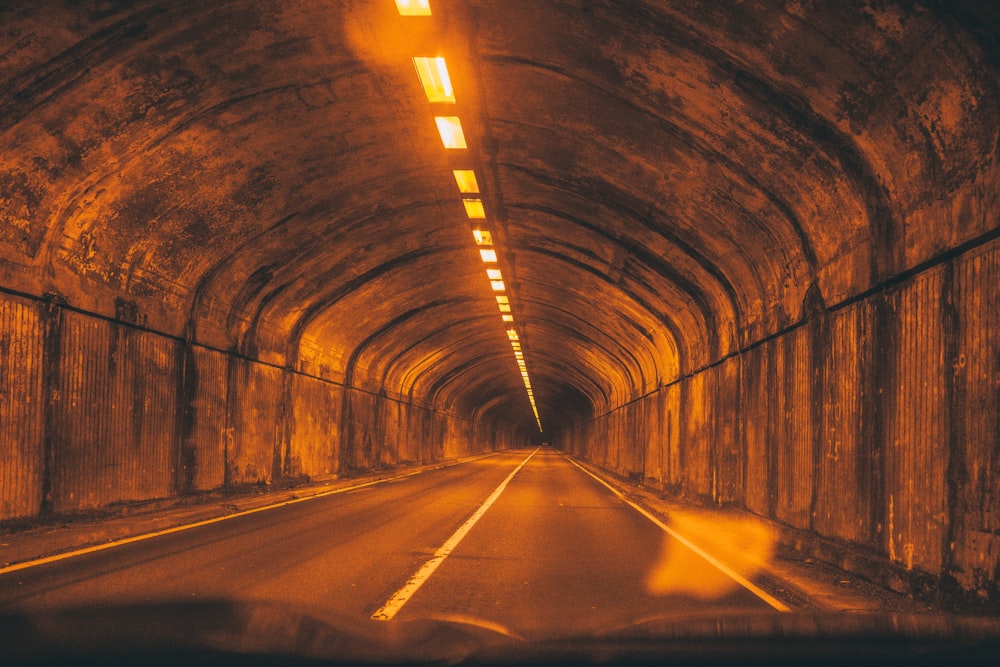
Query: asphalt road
x,y
555,553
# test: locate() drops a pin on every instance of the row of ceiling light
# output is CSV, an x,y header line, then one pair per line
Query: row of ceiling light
x,y
433,74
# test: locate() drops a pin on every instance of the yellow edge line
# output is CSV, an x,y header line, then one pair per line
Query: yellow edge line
x,y
24,565
719,565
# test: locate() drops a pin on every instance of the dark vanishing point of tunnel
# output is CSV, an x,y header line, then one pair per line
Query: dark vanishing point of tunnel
x,y
747,254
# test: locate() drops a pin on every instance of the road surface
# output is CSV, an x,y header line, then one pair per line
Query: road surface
x,y
525,539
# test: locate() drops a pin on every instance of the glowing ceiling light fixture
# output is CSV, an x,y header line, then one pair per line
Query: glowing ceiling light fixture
x,y
433,73
466,181
413,7
450,129
474,209
436,81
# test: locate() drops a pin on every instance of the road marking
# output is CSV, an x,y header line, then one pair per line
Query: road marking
x,y
387,611
719,565
176,529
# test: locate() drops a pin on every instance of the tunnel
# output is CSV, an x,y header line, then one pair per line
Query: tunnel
x,y
744,255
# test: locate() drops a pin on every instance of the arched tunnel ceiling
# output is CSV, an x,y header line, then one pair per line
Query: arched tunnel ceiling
x,y
667,182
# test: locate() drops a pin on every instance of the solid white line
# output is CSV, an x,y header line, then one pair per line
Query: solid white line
x,y
387,611
176,529
719,565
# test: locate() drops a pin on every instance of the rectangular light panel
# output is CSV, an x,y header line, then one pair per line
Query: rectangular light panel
x,y
482,237
450,129
433,73
474,209
466,181
413,7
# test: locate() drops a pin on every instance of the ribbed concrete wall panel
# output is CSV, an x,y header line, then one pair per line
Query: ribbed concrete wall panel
x,y
419,433
793,428
843,508
390,426
453,437
446,437
697,414
636,421
362,434
431,447
590,446
656,451
440,445
21,409
409,442
208,435
615,434
113,435
916,448
728,444
315,438
252,430
976,441
672,434
756,423
632,439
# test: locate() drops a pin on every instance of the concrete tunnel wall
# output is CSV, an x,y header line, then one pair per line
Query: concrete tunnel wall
x,y
874,423
753,248
98,411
